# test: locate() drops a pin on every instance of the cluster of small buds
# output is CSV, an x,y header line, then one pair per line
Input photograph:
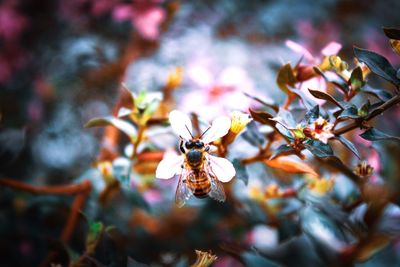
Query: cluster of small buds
x,y
320,130
363,169
204,259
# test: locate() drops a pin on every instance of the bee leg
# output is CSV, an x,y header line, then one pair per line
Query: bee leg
x,y
181,146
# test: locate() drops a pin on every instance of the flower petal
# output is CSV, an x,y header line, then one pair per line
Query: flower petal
x,y
300,49
220,127
181,124
222,168
169,166
331,49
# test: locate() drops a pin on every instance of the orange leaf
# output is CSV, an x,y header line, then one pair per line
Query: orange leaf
x,y
290,166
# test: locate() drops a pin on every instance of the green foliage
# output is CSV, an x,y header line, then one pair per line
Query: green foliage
x,y
378,65
319,149
374,134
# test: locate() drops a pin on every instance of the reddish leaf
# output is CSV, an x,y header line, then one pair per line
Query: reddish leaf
x,y
290,166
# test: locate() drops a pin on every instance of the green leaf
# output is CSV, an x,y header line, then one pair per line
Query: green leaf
x,y
285,78
374,134
350,112
298,133
377,64
325,96
378,93
392,33
253,135
356,79
307,101
282,150
363,111
345,190
121,170
322,229
92,239
122,125
241,172
319,149
349,145
311,115
123,112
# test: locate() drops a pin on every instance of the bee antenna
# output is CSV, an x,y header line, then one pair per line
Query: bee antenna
x,y
189,131
204,132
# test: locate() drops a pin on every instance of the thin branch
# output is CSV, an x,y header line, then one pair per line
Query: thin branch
x,y
69,189
379,110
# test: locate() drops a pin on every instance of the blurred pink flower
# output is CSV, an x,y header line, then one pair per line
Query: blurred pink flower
x,y
12,58
311,35
226,261
80,9
378,42
12,23
316,82
145,15
152,196
217,95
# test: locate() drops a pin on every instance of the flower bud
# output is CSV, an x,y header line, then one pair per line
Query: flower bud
x,y
204,259
239,121
304,73
363,169
174,79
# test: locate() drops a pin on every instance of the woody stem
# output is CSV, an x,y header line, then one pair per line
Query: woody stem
x,y
379,110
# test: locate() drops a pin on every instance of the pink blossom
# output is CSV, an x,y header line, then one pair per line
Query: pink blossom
x,y
374,40
145,15
215,95
316,82
152,196
79,9
12,23
226,261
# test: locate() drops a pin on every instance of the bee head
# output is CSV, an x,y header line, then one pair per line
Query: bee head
x,y
194,144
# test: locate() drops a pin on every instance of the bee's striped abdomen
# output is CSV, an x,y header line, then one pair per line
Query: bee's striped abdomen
x,y
199,184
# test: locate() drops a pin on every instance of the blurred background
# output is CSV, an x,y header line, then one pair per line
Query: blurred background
x,y
62,63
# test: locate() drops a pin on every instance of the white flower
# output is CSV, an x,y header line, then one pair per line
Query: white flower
x,y
321,130
172,163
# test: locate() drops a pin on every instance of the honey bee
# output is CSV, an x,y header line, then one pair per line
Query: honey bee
x,y
200,173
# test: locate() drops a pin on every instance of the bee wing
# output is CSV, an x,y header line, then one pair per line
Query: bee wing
x,y
219,127
183,193
169,165
222,168
217,190
181,124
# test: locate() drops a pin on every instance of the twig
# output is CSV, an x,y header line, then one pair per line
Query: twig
x,y
69,189
379,110
81,192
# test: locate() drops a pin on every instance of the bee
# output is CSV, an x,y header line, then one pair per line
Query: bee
x,y
200,173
